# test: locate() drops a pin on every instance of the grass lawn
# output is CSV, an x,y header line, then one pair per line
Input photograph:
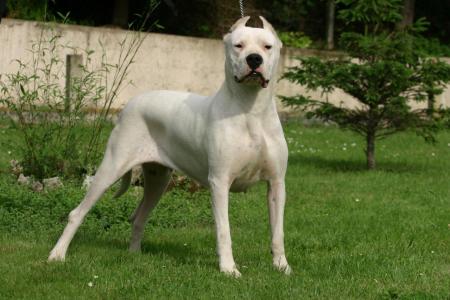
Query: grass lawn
x,y
349,233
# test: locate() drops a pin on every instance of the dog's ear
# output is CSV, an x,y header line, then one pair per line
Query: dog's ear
x,y
238,23
268,26
241,22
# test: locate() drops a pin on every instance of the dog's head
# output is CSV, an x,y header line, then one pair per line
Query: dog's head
x,y
252,53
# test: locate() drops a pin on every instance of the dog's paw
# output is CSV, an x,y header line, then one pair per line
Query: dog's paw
x,y
281,264
287,270
231,271
56,256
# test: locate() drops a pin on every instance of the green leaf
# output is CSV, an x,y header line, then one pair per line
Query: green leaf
x,y
22,89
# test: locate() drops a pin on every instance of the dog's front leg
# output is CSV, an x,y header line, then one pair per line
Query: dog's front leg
x,y
219,193
276,198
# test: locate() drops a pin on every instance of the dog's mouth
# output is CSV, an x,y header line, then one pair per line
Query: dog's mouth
x,y
254,76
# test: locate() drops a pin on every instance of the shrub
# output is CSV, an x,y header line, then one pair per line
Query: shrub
x,y
384,71
295,39
58,136
26,9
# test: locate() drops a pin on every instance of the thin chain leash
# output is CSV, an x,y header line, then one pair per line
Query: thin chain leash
x,y
241,6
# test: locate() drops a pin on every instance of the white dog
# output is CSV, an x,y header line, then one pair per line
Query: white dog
x,y
226,142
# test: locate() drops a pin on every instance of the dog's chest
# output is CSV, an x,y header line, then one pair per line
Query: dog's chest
x,y
251,160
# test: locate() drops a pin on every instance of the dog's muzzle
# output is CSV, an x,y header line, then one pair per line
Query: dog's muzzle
x,y
253,76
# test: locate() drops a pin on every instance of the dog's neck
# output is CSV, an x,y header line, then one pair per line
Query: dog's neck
x,y
249,98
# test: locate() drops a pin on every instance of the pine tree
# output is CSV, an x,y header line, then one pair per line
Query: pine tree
x,y
383,69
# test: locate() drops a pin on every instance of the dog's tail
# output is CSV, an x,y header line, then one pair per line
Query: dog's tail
x,y
124,184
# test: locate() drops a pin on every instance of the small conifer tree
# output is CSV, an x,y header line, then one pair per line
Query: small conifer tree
x,y
384,69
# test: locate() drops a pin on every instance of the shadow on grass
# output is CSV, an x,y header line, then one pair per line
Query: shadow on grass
x,y
181,253
342,165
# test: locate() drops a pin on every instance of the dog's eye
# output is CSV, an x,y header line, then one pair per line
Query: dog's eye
x,y
238,45
268,47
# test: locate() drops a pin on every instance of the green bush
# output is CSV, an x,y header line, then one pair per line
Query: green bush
x,y
59,135
432,47
295,39
35,10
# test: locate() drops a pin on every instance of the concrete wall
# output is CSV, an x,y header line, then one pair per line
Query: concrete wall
x,y
163,62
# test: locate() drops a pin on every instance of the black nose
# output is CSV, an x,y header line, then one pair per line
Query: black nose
x,y
254,60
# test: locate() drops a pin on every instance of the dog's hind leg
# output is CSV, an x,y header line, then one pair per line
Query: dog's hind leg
x,y
156,178
114,165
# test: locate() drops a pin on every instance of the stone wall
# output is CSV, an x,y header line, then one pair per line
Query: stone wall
x,y
163,62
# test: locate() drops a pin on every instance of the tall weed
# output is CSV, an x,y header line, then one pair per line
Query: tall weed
x,y
62,125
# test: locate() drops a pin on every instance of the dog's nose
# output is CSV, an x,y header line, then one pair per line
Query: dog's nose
x,y
254,60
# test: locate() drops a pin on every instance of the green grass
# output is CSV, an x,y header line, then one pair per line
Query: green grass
x,y
349,233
